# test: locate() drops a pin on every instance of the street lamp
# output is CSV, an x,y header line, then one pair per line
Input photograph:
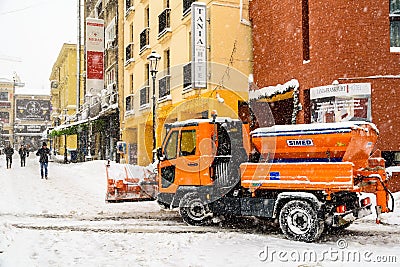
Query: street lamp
x,y
1,136
65,137
89,99
16,83
153,58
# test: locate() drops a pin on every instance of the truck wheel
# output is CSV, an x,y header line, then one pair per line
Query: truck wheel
x,y
193,210
299,221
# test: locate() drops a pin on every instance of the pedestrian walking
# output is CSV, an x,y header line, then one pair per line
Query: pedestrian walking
x,y
23,152
9,151
43,154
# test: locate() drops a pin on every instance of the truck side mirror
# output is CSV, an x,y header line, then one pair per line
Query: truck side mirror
x,y
160,155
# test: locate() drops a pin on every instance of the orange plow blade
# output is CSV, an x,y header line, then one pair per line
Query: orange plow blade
x,y
126,182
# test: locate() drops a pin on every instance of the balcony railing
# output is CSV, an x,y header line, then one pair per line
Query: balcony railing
x,y
144,97
144,39
164,87
129,54
187,4
109,96
129,107
187,76
99,9
129,7
164,21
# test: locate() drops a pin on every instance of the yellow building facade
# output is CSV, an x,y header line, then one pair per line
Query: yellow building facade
x,y
64,95
165,26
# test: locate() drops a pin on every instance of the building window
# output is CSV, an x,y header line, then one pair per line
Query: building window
x,y
187,76
144,97
131,83
132,33
187,6
110,77
3,96
305,30
110,34
147,73
129,107
167,61
394,17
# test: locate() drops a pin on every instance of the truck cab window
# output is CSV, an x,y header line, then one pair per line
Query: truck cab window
x,y
188,143
171,146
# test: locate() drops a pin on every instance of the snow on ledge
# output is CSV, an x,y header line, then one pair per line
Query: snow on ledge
x,y
267,92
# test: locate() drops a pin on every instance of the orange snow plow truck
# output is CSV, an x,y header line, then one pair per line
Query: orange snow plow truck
x,y
306,177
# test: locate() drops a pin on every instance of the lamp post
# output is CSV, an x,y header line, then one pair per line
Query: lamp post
x,y
153,59
16,83
89,99
1,136
65,138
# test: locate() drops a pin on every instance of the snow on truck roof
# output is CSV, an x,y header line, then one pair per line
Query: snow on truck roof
x,y
316,128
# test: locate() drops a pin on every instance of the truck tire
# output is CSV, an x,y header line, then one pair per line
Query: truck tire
x,y
299,221
193,210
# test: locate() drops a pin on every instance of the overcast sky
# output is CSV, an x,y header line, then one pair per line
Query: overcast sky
x,y
32,33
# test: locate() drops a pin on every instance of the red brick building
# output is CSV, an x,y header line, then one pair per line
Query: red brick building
x,y
318,42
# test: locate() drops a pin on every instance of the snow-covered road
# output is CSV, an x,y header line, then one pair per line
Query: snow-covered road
x,y
64,221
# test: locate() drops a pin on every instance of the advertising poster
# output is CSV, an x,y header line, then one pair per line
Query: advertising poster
x,y
94,55
31,109
341,102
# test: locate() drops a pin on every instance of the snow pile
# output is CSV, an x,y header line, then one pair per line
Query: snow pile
x,y
72,190
6,236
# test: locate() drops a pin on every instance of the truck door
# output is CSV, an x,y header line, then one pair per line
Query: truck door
x,y
167,164
187,163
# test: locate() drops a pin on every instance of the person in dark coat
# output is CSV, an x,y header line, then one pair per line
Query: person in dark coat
x,y
23,152
9,151
43,154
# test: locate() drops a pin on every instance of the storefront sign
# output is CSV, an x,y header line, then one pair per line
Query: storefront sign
x,y
341,102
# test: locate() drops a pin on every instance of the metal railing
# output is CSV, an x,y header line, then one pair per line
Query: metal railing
x,y
187,4
144,39
164,21
164,86
129,52
144,96
187,76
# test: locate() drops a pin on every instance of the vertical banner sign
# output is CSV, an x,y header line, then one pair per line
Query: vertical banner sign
x,y
199,45
94,55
